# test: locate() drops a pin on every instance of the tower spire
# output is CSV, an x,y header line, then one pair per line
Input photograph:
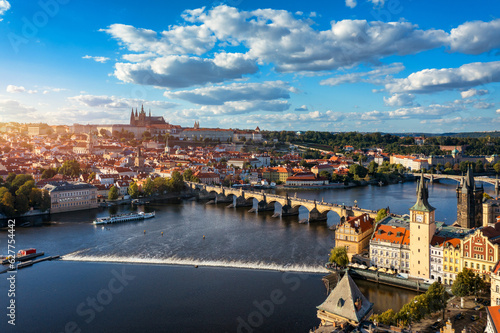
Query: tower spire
x,y
422,203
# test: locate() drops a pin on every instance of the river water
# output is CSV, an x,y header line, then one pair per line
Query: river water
x,y
245,260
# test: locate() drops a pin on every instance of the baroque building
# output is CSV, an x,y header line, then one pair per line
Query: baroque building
x,y
469,203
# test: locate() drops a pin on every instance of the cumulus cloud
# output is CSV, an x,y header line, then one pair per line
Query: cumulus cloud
x,y
400,100
376,76
498,111
302,108
12,108
484,105
4,6
15,89
102,60
475,37
432,80
217,95
473,92
351,3
186,71
113,102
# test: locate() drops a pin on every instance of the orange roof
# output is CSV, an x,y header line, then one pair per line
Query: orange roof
x,y
364,221
387,233
453,242
494,315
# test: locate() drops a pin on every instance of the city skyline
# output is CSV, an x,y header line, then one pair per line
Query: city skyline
x,y
389,66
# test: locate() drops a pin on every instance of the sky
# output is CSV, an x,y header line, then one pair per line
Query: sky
x,y
338,65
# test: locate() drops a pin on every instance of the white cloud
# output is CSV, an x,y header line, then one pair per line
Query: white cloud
x,y
400,100
217,95
475,37
113,102
473,92
377,2
15,89
48,90
351,3
302,108
12,108
484,105
102,60
498,111
432,80
186,71
4,6
376,76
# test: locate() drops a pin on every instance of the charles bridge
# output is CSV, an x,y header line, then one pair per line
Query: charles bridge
x,y
318,210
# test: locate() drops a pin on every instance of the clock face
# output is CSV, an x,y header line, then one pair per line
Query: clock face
x,y
419,218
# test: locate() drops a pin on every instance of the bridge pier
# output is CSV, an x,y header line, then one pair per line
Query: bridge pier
x,y
315,215
204,195
289,211
221,198
263,206
242,202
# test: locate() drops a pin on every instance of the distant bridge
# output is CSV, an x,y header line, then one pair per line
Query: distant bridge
x,y
318,210
492,181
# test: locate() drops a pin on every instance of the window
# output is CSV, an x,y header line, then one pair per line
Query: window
x,y
497,290
484,267
491,258
456,261
456,269
418,250
445,259
466,264
418,238
498,301
445,267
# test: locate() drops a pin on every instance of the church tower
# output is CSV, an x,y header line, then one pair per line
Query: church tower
x,y
469,203
422,229
132,118
90,143
139,159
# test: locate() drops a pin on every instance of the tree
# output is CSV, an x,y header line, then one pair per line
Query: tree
x,y
160,185
325,174
437,297
92,176
496,167
176,183
49,173
338,255
372,167
18,182
46,201
188,174
35,198
358,170
133,190
467,283
26,188
22,204
381,213
70,168
7,203
148,187
113,193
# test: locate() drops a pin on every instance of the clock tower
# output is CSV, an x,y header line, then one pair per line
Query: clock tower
x,y
422,229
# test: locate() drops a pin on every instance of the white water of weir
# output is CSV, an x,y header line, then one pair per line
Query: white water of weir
x,y
76,256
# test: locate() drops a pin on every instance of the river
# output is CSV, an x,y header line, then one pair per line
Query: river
x,y
243,258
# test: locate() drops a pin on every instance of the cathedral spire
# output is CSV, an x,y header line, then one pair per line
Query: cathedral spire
x,y
422,203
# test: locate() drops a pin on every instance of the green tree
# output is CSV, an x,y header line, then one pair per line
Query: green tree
x,y
70,168
18,182
21,204
496,167
133,190
46,201
113,193
7,202
325,174
188,174
10,177
467,283
160,185
372,167
26,188
437,297
338,255
358,170
92,176
49,173
35,198
176,182
148,187
381,213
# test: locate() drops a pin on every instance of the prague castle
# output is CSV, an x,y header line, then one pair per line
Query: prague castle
x,y
141,119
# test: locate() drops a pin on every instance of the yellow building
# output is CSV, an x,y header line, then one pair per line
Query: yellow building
x,y
495,285
452,260
276,174
354,234
422,229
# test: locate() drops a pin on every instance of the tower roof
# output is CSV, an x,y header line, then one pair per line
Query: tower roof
x,y
422,203
347,301
468,184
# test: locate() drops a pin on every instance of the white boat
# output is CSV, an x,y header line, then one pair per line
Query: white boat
x,y
123,218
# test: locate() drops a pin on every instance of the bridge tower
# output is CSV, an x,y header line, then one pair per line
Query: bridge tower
x,y
469,203
422,229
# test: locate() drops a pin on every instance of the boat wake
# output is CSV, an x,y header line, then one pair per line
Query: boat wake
x,y
77,256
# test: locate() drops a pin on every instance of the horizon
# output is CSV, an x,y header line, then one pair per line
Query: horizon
x,y
388,66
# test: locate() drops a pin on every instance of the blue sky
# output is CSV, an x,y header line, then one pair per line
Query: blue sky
x,y
339,65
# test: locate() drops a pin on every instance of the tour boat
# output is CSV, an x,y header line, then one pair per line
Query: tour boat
x,y
123,218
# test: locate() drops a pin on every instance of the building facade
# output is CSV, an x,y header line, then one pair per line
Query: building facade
x,y
354,234
482,250
422,229
495,285
390,245
70,196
